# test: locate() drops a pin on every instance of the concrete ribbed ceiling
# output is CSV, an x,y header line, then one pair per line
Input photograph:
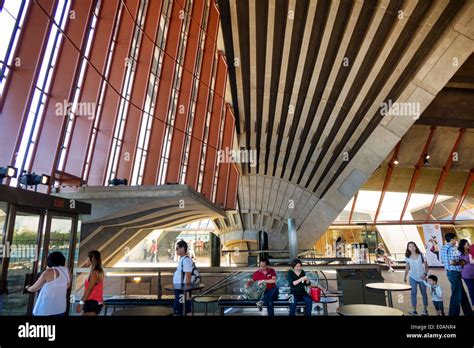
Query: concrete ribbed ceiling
x,y
307,83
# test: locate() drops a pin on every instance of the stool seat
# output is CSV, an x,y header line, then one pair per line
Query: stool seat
x,y
205,299
325,300
328,300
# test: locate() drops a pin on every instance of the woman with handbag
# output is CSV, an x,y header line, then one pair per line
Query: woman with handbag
x,y
417,268
298,280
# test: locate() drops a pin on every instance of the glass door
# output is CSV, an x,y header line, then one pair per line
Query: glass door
x,y
59,237
21,262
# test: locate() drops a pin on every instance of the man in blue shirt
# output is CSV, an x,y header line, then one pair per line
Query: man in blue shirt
x,y
453,266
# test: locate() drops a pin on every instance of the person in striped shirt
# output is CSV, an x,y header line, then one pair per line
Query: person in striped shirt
x,y
452,262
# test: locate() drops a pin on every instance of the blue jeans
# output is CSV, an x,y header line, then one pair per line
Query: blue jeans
x,y
301,297
458,295
414,283
268,297
178,305
470,288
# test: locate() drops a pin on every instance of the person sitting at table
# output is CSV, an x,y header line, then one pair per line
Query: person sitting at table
x,y
268,276
383,257
298,280
182,275
417,268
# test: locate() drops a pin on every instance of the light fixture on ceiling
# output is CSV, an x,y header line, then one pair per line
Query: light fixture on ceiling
x,y
426,160
7,172
117,182
396,161
32,179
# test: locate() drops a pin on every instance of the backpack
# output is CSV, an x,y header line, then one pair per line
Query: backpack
x,y
195,275
255,291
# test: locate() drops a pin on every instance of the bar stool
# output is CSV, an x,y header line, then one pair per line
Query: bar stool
x,y
325,301
204,300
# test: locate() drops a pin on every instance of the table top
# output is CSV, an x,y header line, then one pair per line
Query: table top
x,y
145,311
184,287
205,299
389,286
367,309
324,299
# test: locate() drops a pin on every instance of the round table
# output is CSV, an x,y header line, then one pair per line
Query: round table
x,y
367,309
145,310
183,288
389,287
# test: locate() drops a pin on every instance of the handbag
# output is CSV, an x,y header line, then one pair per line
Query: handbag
x,y
315,293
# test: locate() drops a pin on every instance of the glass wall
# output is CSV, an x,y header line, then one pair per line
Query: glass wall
x,y
394,237
158,248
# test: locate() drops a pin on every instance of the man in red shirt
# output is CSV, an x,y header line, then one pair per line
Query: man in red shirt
x,y
268,276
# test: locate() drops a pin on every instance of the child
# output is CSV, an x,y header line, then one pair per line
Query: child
x,y
436,293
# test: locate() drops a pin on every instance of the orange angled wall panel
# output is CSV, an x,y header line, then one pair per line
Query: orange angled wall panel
x,y
184,101
62,90
22,79
214,128
81,134
232,186
138,97
101,151
224,166
195,150
155,149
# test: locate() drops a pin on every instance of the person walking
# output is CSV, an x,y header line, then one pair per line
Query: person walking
x,y
450,257
92,300
467,251
145,249
298,280
153,251
52,285
417,268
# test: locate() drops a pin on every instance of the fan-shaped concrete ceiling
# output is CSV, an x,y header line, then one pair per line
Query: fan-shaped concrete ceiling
x,y
308,84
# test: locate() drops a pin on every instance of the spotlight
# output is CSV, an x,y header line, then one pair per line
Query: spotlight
x,y
396,162
117,182
7,172
31,179
426,160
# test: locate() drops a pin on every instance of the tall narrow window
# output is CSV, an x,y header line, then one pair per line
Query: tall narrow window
x,y
131,64
75,107
41,91
152,91
208,121
194,95
12,17
175,93
98,112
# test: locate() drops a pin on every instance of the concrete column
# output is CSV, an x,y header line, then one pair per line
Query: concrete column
x,y
215,250
263,243
292,239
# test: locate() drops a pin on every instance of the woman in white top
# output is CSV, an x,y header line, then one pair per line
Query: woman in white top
x,y
52,284
417,268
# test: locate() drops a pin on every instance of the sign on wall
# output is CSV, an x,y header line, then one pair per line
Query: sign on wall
x,y
433,244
